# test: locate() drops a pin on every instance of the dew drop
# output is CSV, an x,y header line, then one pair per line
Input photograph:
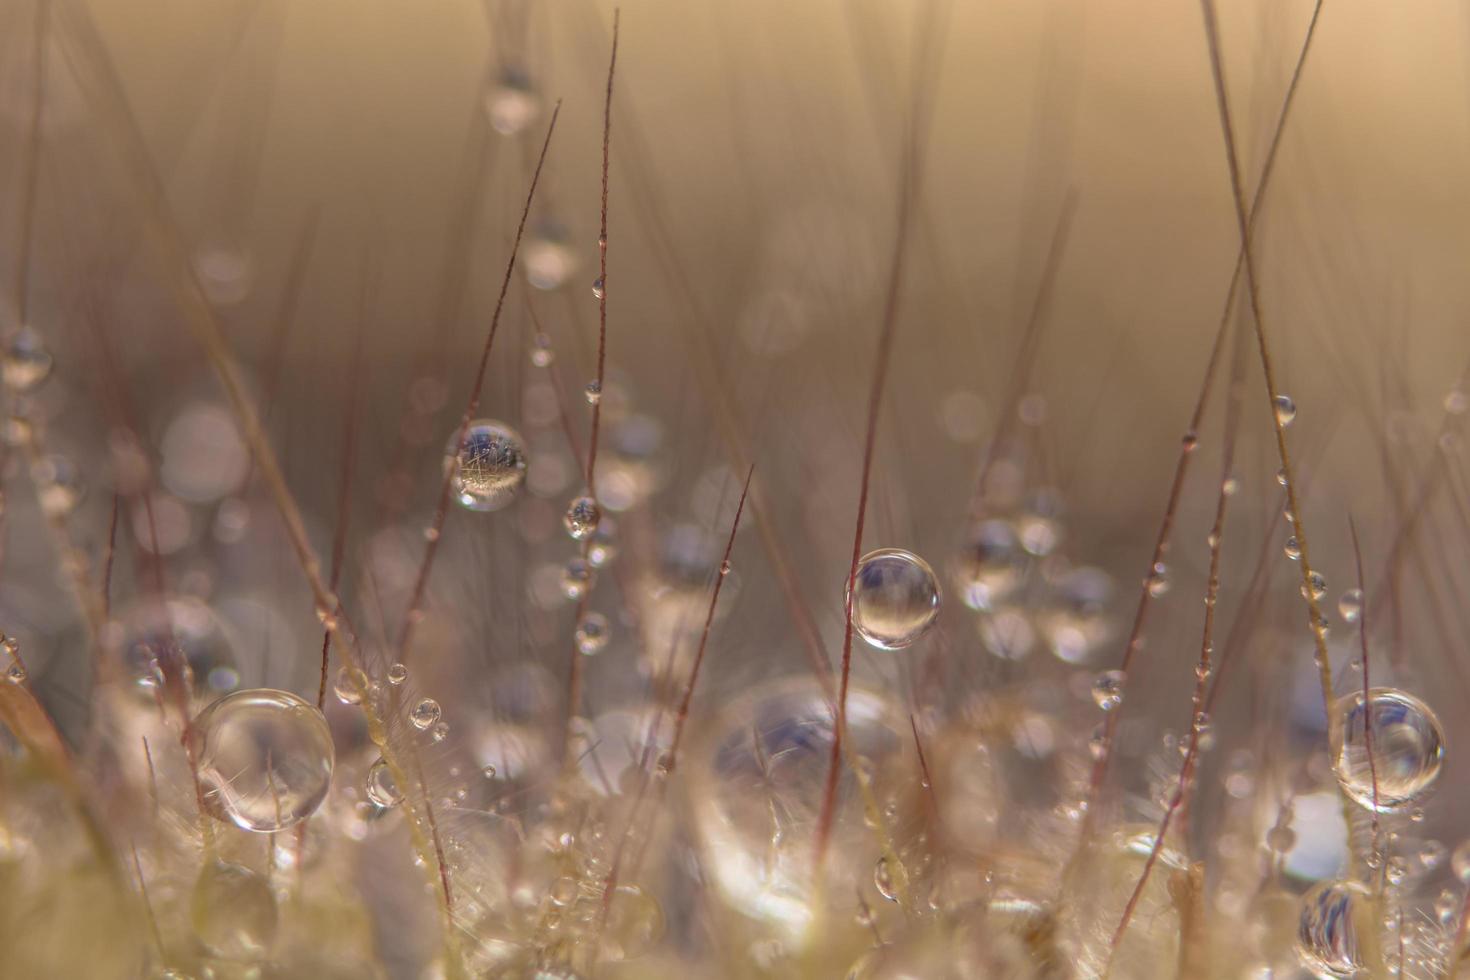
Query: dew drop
x,y
1350,605
1315,586
1408,748
1460,860
26,363
883,880
488,467
603,546
425,714
440,731
397,674
15,672
576,578
1336,919
1107,689
1285,409
265,759
599,291
541,353
349,685
592,634
895,598
582,517
382,789
1293,549
1157,582
593,391
990,568
513,103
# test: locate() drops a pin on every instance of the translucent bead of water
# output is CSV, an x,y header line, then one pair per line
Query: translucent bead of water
x,y
1284,408
1407,748
233,911
382,789
1350,605
425,714
1107,689
488,467
895,598
26,362
582,517
513,104
1335,928
265,759
592,634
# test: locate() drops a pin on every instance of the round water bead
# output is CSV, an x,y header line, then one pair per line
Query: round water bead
x,y
59,486
513,103
592,633
489,466
233,911
153,635
265,759
382,788
1408,748
1350,605
582,517
397,674
755,781
1107,689
991,566
1284,408
895,598
576,578
1336,928
350,685
548,259
27,362
425,713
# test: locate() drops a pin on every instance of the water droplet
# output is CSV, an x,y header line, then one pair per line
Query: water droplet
x,y
1039,526
1157,582
397,674
989,569
1460,860
599,291
265,759
895,598
1229,486
59,486
1432,854
350,685
425,713
549,261
592,633
883,880
382,789
1281,838
513,103
603,547
1336,919
582,517
27,362
1281,476
15,672
576,578
541,353
1317,585
1097,742
489,466
488,772
1107,689
440,731
1293,549
233,911
1285,409
593,392
1408,748
1350,605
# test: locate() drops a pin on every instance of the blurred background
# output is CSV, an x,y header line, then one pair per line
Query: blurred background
x,y
346,178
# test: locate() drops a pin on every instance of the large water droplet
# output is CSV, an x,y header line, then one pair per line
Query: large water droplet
x,y
488,468
265,759
1408,748
1336,924
895,598
425,714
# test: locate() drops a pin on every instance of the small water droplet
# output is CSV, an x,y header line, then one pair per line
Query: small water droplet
x,y
1350,605
26,361
592,634
425,713
1107,689
1157,582
599,290
1293,549
1314,587
1285,409
883,880
381,787
576,578
593,392
397,674
350,685
582,517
